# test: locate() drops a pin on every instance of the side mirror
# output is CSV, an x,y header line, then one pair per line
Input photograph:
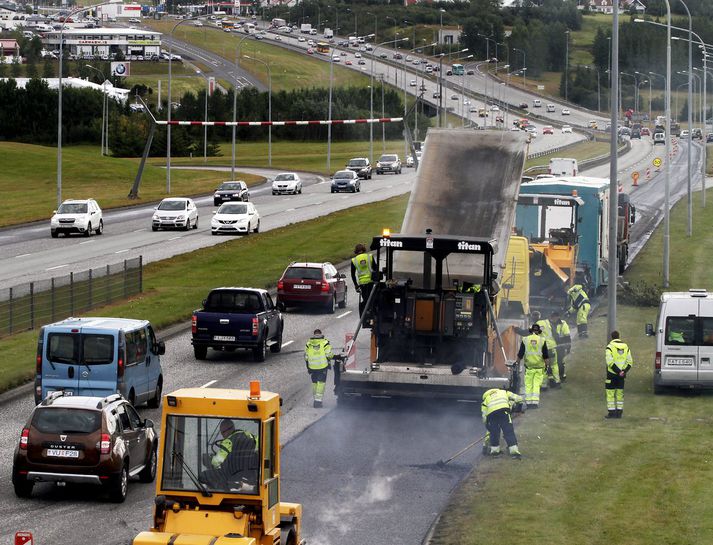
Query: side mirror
x,y
155,207
161,348
148,423
341,275
649,330
281,306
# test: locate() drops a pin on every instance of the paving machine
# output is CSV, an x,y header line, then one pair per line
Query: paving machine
x,y
218,478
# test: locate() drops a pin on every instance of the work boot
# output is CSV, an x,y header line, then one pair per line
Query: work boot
x,y
495,451
515,452
564,378
533,405
619,413
317,404
555,384
611,414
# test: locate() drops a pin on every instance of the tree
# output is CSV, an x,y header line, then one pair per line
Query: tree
x,y
31,69
15,69
47,68
600,49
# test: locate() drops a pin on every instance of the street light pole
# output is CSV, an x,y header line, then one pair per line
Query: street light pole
x,y
235,104
566,59
329,114
269,107
205,127
524,65
613,169
104,101
371,98
690,120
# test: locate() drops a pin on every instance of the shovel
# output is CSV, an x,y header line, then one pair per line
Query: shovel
x,y
443,463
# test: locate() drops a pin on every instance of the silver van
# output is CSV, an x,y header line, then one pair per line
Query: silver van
x,y
684,341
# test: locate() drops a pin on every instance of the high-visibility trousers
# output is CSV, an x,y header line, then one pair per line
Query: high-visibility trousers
x,y
533,382
319,379
583,313
614,387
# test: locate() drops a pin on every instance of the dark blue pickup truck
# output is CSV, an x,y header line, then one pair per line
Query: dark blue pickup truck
x,y
233,318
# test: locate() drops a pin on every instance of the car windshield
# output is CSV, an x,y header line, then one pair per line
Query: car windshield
x,y
80,348
172,205
357,163
284,177
211,454
343,175
230,186
65,420
72,208
387,158
233,301
233,209
303,273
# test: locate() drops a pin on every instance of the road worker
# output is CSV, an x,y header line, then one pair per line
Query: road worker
x,y
533,349
363,264
563,340
619,361
496,410
318,354
547,327
578,303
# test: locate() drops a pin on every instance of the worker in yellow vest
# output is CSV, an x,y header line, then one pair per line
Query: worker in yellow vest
x,y
497,410
619,362
552,371
533,349
578,303
363,264
563,340
318,354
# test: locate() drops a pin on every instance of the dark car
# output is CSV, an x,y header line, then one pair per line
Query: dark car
x,y
231,191
85,440
523,105
697,134
636,133
312,284
361,166
345,180
709,137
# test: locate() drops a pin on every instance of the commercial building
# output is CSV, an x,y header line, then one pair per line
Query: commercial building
x,y
107,42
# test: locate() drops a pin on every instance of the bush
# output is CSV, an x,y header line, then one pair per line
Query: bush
x,y
640,294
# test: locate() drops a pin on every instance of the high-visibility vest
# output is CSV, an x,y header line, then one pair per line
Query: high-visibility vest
x,y
562,329
533,351
676,337
362,263
226,446
547,334
318,352
496,399
618,357
577,297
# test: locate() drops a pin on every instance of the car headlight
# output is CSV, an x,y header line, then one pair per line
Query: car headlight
x,y
216,194
180,218
378,164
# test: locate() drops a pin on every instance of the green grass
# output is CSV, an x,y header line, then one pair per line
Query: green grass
x,y
290,70
640,480
28,180
582,151
183,78
174,287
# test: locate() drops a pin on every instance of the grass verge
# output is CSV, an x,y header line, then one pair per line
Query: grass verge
x,y
28,180
585,150
174,287
640,480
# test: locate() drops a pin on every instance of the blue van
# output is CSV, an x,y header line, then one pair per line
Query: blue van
x,y
99,357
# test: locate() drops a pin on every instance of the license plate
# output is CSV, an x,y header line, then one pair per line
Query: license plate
x,y
302,287
223,338
59,453
66,392
684,362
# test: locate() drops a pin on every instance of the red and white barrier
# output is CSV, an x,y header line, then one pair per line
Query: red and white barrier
x,y
282,123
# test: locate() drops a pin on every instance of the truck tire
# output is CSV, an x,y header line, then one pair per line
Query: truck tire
x,y
260,351
200,352
277,345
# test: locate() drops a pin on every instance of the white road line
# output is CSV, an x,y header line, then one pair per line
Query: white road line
x,y
139,230
345,314
290,210
87,242
122,251
320,202
57,267
208,384
287,343
22,255
175,238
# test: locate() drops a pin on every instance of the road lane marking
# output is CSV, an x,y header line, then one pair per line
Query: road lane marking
x,y
288,343
121,251
290,210
22,255
139,230
87,241
320,202
174,238
345,314
57,267
208,384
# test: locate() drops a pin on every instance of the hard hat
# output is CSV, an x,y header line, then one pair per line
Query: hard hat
x,y
317,333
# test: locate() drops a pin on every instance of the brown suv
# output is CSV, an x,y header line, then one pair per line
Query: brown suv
x,y
85,440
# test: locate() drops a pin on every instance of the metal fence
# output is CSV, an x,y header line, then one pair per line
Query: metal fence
x,y
27,306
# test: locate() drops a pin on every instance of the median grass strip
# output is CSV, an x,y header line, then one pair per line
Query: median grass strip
x,y
639,480
582,151
174,287
28,180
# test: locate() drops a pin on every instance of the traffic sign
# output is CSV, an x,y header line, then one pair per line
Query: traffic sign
x,y
23,538
121,69
658,162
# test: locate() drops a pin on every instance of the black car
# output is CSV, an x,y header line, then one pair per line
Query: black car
x,y
709,137
345,180
361,166
524,105
636,133
231,191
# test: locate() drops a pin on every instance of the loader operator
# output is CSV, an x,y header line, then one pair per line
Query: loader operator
x,y
533,349
318,354
619,361
578,303
496,410
236,459
363,265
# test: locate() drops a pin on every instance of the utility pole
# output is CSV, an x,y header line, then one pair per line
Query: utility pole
x,y
613,272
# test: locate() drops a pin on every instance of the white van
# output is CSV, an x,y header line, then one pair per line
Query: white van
x,y
551,108
563,167
537,103
684,341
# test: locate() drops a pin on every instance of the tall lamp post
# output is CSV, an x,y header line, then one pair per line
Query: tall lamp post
x,y
329,112
59,96
269,107
524,65
566,63
205,127
613,167
235,104
105,122
690,117
371,98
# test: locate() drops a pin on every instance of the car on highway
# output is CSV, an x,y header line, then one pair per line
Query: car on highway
x,y
77,216
348,62
389,162
482,112
709,137
471,72
310,51
566,129
307,283
335,58
410,161
383,55
524,106
85,440
494,108
548,130
287,182
645,131
357,55
593,124
537,103
684,134
636,133
659,138
361,166
398,56
565,111
361,62
436,94
301,39
175,213
345,180
697,133
473,109
412,83
531,130
551,108
233,190
240,218
135,20
197,23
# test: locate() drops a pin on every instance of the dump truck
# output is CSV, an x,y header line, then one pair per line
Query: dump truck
x,y
437,313
218,476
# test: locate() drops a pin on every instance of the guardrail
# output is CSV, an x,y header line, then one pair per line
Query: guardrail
x,y
27,306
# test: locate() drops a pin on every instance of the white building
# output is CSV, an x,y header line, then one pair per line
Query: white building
x,y
115,93
106,42
117,10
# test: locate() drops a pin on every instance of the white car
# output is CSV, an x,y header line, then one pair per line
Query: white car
x,y
565,111
77,216
494,108
197,23
357,55
566,129
235,218
412,83
532,131
287,182
311,42
301,39
175,213
410,161
335,58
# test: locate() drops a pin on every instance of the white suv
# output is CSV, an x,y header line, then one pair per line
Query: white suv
x,y
77,216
